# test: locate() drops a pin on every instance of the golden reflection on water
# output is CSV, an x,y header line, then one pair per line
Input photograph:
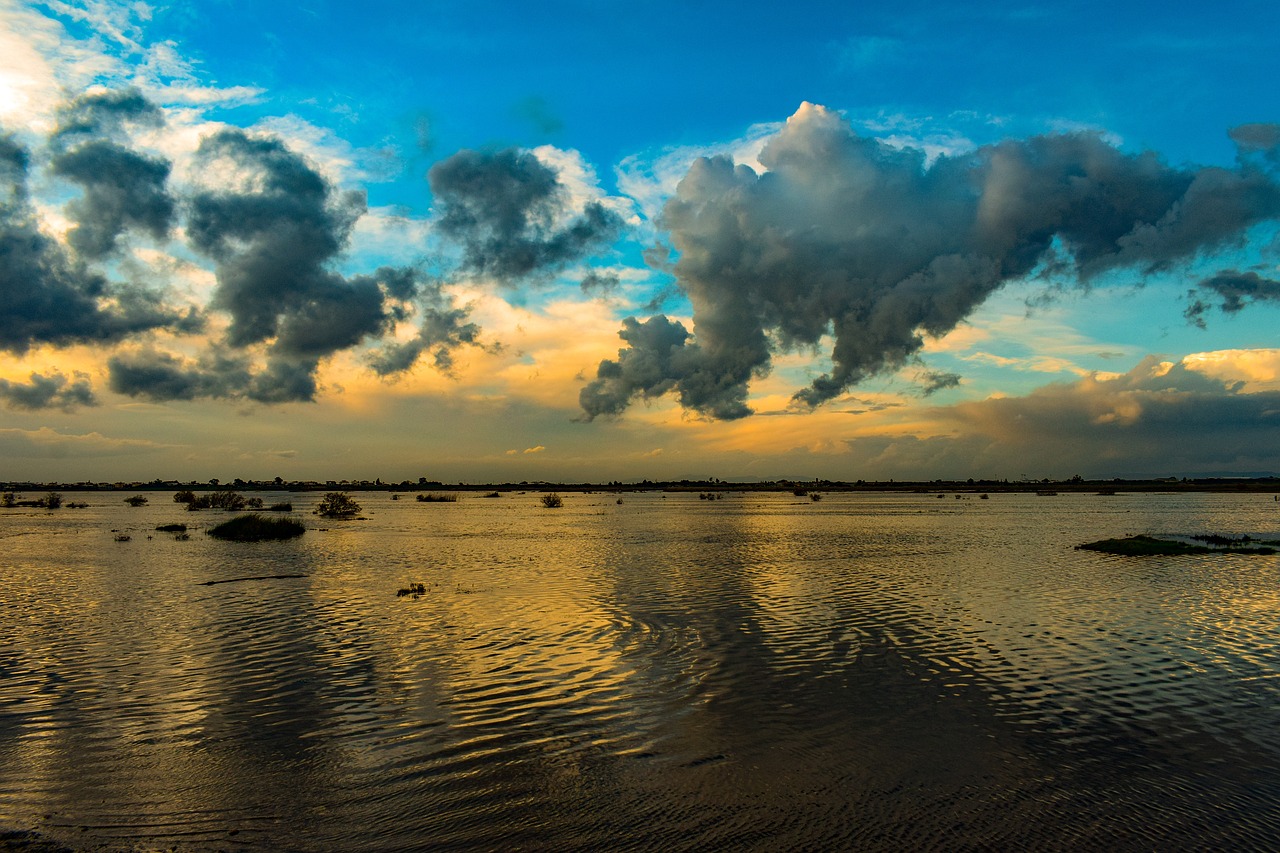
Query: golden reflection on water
x,y
762,671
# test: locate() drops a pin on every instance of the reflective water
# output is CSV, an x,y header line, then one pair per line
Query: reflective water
x,y
760,672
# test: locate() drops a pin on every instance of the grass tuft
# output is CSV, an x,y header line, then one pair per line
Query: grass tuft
x,y
256,528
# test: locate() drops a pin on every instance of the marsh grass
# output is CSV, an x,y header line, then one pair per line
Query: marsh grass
x,y
256,528
436,498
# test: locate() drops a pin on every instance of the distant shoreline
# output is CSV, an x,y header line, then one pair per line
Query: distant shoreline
x,y
1261,485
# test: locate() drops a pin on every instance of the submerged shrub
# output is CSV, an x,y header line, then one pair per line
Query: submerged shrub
x,y
53,500
552,501
136,500
434,497
231,501
281,507
184,497
256,528
171,528
337,505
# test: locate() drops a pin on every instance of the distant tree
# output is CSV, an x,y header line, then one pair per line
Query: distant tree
x,y
337,505
53,500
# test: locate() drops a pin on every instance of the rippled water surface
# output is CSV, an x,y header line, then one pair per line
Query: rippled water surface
x,y
759,672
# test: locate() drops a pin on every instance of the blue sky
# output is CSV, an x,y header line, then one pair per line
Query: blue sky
x,y
398,240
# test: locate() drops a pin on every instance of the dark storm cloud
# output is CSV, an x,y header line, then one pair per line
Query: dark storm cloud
x,y
504,210
657,359
443,330
932,381
601,282
49,297
273,243
847,236
156,375
48,392
121,189
1258,139
1233,290
106,113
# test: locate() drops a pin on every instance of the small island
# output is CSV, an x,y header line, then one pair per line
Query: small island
x,y
1146,546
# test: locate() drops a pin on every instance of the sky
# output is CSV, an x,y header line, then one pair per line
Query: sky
x,y
595,241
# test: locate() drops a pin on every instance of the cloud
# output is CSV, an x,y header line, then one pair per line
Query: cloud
x,y
603,282
508,212
1234,290
106,112
1258,140
658,359
47,443
933,381
274,227
121,189
157,375
48,392
843,235
50,297
1159,417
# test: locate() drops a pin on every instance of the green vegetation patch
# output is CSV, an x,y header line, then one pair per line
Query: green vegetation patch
x,y
256,528
1145,546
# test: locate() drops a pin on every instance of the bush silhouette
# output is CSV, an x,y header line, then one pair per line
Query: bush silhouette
x,y
337,505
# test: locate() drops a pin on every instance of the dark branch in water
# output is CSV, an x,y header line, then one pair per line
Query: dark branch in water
x,y
255,578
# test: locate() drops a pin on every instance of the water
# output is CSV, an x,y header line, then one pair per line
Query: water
x,y
895,672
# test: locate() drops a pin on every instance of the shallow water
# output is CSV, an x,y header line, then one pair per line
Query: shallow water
x,y
760,672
